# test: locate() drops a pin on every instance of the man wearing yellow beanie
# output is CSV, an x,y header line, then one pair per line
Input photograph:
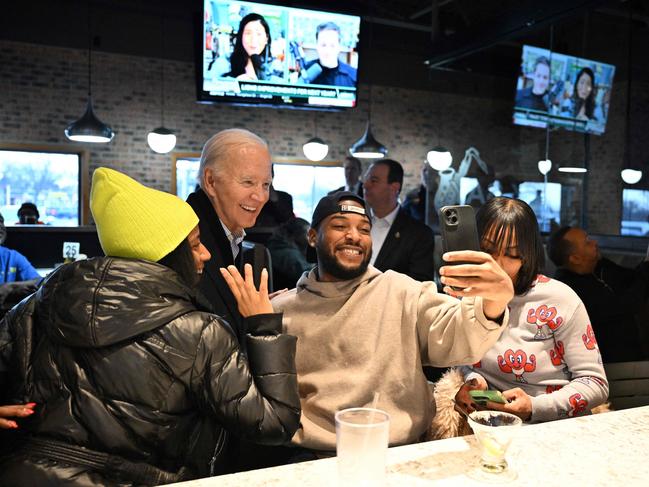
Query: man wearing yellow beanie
x,y
129,380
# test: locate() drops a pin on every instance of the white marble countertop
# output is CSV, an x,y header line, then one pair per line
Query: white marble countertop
x,y
605,449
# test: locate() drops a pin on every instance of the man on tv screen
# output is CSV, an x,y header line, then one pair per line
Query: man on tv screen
x,y
334,72
533,97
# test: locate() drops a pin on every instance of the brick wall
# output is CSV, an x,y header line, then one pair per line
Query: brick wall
x,y
43,89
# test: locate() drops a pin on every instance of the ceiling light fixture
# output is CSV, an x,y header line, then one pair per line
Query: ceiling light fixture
x,y
629,174
367,147
315,149
161,139
89,128
439,158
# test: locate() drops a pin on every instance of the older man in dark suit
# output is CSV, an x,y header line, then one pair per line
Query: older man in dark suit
x,y
235,178
399,242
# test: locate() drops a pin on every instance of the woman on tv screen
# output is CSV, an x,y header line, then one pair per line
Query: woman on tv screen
x,y
251,57
581,104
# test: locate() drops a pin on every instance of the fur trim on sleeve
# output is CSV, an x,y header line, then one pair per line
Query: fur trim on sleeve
x,y
447,423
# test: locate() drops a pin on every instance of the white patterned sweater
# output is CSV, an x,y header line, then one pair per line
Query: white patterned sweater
x,y
548,350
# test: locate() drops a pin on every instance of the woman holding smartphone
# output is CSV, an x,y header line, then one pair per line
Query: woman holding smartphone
x,y
546,362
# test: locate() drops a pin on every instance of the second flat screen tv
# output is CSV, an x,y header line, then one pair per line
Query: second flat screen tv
x,y
255,53
564,91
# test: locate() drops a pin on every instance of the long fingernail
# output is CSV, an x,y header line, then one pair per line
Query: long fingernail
x,y
30,404
28,411
12,424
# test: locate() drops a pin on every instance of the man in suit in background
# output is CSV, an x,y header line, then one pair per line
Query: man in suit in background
x,y
353,182
235,178
399,242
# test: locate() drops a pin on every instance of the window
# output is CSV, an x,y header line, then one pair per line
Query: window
x,y
303,180
307,184
635,212
52,180
186,172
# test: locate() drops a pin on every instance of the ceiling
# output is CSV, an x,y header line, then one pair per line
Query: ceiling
x,y
480,37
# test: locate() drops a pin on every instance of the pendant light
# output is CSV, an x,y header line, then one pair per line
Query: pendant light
x,y
583,168
161,139
367,147
545,165
629,174
315,149
89,128
439,158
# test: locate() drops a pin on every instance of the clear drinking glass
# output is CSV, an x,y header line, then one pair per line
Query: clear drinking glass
x,y
362,436
494,431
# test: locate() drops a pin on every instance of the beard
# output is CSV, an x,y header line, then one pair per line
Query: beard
x,y
331,266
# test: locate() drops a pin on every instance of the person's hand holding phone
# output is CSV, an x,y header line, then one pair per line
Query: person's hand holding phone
x,y
479,275
518,403
464,399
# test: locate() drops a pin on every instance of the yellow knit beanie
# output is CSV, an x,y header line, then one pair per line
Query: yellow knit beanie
x,y
135,221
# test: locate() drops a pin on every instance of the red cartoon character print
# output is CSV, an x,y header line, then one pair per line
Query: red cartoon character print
x,y
577,405
556,356
551,389
516,363
589,338
542,316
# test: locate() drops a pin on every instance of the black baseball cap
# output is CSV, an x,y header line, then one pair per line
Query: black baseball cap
x,y
330,205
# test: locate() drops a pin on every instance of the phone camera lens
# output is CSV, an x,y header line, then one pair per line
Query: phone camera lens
x,y
453,219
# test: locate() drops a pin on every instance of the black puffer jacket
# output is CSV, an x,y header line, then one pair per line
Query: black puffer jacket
x,y
119,361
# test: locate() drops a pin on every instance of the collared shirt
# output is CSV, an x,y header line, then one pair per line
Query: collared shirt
x,y
353,189
235,239
380,229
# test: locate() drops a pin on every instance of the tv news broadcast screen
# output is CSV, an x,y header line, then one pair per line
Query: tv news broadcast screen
x,y
564,91
255,53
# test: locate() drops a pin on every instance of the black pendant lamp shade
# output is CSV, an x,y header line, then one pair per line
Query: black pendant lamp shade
x,y
89,128
367,147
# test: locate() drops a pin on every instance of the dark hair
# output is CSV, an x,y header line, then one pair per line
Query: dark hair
x,y
395,171
3,230
541,60
28,213
294,227
589,102
559,247
326,26
239,57
181,260
355,161
515,219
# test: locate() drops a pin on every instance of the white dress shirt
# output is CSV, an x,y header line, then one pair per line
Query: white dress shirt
x,y
235,239
380,229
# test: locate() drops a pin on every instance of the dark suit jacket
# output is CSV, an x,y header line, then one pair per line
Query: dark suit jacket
x,y
408,248
212,285
342,188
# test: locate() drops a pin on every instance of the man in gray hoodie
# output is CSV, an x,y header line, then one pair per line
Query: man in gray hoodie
x,y
361,331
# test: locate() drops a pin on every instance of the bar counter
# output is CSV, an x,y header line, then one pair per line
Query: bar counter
x,y
604,449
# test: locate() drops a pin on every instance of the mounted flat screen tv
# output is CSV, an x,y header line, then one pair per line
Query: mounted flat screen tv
x,y
563,91
260,54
